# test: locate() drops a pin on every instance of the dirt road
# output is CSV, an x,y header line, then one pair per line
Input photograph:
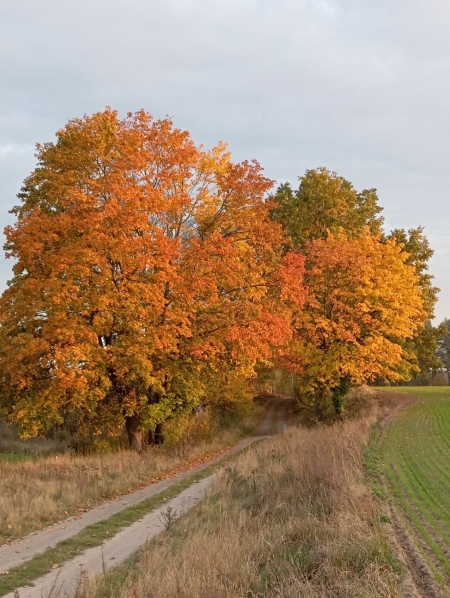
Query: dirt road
x,y
276,417
62,581
23,550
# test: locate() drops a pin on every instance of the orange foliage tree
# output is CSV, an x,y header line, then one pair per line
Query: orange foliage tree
x,y
363,302
143,264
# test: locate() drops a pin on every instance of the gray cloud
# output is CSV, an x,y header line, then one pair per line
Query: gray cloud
x,y
361,87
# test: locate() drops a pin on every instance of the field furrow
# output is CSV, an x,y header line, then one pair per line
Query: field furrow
x,y
416,454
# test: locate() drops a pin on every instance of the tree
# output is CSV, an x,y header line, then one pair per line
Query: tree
x,y
443,351
143,264
324,203
416,245
363,302
424,344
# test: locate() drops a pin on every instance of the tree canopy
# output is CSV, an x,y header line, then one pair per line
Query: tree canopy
x,y
141,261
327,206
443,351
363,301
324,203
152,275
424,343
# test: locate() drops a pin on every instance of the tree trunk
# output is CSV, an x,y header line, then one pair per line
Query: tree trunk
x,y
134,432
156,436
338,404
167,385
159,434
317,411
151,437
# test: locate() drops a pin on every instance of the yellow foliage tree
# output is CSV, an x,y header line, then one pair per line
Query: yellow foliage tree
x,y
363,301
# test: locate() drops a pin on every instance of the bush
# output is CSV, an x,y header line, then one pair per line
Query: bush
x,y
189,430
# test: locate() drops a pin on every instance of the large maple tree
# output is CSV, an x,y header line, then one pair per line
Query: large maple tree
x,y
142,262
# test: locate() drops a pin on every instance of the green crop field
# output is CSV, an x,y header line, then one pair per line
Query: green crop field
x,y
416,455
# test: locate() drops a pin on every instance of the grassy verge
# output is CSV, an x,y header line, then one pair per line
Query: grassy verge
x,y
293,517
35,493
95,535
416,451
373,464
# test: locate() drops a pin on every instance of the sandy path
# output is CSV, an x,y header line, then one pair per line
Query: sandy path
x,y
62,581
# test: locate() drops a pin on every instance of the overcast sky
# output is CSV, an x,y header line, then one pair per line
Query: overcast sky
x,y
359,86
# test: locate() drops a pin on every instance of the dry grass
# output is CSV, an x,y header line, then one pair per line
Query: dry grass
x,y
36,493
291,518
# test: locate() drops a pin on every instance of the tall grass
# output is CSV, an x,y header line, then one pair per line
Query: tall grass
x,y
291,518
